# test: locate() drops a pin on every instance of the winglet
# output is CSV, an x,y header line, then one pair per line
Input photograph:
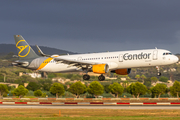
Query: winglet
x,y
41,53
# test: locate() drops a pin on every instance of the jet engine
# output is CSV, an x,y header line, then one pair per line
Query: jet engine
x,y
100,68
122,71
54,55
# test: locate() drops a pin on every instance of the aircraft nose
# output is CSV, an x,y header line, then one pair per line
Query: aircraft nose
x,y
176,59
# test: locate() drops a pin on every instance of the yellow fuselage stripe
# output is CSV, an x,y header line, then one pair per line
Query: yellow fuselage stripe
x,y
44,63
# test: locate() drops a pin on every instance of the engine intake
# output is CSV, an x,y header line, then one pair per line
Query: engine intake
x,y
100,68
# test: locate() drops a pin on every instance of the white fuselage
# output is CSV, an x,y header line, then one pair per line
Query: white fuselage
x,y
116,60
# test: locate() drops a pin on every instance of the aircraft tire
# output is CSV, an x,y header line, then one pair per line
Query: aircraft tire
x,y
159,74
86,77
101,78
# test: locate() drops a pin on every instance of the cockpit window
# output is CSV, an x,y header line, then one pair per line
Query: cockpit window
x,y
167,53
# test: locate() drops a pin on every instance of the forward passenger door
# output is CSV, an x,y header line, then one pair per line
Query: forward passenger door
x,y
155,54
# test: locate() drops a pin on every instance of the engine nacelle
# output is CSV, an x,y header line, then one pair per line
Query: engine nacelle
x,y
100,68
122,71
54,55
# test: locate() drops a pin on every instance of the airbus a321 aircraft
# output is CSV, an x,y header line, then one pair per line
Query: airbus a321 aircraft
x,y
119,62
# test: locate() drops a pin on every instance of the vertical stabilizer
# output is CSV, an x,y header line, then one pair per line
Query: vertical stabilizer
x,y
24,50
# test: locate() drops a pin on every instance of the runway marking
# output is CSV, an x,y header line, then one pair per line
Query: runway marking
x,y
90,107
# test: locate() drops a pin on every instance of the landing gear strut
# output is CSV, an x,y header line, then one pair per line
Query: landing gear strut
x,y
86,77
101,77
159,73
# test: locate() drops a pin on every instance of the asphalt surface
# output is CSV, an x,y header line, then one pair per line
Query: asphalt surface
x,y
90,107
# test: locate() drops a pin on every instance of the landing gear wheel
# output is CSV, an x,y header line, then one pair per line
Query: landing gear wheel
x,y
101,78
159,74
86,77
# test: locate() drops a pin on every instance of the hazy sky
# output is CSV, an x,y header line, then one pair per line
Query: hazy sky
x,y
93,25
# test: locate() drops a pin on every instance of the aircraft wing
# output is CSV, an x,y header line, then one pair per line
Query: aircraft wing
x,y
78,63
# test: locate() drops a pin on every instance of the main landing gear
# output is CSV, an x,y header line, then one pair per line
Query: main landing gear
x,y
159,73
86,77
101,77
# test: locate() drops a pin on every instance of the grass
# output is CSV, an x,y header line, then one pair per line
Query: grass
x,y
88,114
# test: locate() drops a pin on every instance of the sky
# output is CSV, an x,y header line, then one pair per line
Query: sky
x,y
85,26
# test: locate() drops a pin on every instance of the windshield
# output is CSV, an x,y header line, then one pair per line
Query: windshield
x,y
167,53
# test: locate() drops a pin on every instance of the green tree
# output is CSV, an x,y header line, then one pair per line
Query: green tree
x,y
175,89
163,79
159,90
3,89
143,77
57,89
154,79
38,93
4,74
23,79
75,77
69,76
147,82
20,91
154,91
137,77
106,88
125,84
46,86
43,94
116,89
77,88
137,89
95,88
33,86
51,75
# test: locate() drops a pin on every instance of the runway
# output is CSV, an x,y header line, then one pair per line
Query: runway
x,y
88,107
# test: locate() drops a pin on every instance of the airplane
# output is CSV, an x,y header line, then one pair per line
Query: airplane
x,y
119,62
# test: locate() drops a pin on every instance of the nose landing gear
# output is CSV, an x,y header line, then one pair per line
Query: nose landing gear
x,y
159,73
